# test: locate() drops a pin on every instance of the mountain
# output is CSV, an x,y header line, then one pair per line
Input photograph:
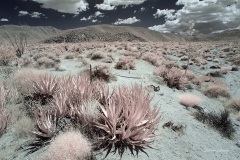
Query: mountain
x,y
33,34
107,33
110,33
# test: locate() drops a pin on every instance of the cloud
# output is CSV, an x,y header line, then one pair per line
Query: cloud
x,y
111,4
105,6
23,13
99,14
70,6
95,15
36,15
83,19
143,9
169,14
94,20
4,20
33,14
124,2
208,15
127,21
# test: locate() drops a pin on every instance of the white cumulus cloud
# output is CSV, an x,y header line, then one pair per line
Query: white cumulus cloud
x,y
23,13
127,21
36,15
99,14
105,6
169,14
208,15
70,6
4,20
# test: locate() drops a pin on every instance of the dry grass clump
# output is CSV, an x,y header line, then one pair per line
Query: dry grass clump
x,y
219,121
151,58
173,77
215,89
97,56
25,78
45,62
125,64
127,119
69,145
161,71
190,100
24,126
4,116
6,57
69,57
234,58
234,104
202,79
102,72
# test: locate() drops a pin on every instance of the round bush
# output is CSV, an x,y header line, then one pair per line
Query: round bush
x,y
70,145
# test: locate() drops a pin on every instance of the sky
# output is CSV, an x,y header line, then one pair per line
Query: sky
x,y
168,16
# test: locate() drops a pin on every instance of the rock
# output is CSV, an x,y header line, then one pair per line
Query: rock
x,y
60,68
209,59
226,50
238,144
215,67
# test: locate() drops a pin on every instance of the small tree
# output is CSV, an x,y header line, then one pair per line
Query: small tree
x,y
18,42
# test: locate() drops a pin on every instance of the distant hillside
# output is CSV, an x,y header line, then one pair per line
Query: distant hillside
x,y
34,34
226,35
110,33
107,33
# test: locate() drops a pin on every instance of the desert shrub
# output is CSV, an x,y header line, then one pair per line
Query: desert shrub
x,y
46,62
201,79
24,126
125,64
151,58
234,58
5,57
161,71
97,56
170,64
219,121
4,117
69,57
190,75
175,79
69,145
127,119
215,89
102,72
189,100
25,78
107,60
6,71
238,117
234,104
49,63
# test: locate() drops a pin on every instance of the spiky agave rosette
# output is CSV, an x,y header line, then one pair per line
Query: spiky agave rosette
x,y
128,120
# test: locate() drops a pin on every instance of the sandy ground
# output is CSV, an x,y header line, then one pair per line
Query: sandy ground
x,y
197,142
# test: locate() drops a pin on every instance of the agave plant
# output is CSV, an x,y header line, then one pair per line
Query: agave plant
x,y
128,121
45,88
46,124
